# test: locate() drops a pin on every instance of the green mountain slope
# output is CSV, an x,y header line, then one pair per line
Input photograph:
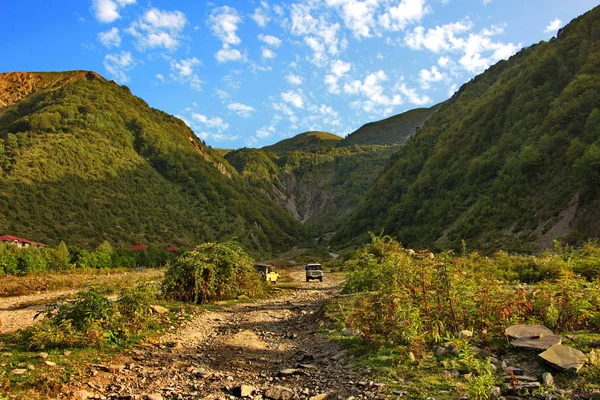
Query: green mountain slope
x,y
512,160
87,161
306,141
392,130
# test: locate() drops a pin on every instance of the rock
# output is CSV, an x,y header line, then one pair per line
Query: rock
x,y
67,353
496,392
520,378
7,354
154,396
245,390
308,366
243,297
322,396
564,358
279,393
338,356
528,385
18,371
410,357
541,343
441,351
159,309
288,372
43,356
50,363
115,368
465,334
200,373
350,332
82,395
527,331
547,379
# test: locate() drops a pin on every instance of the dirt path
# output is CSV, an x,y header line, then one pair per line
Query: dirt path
x,y
271,346
19,312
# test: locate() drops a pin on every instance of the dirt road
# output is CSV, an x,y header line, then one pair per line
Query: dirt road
x,y
19,312
269,349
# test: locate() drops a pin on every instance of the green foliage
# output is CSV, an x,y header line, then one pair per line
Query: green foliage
x,y
88,162
210,272
306,141
499,161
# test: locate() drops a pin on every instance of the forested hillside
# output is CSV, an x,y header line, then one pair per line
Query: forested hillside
x,y
306,141
512,160
87,161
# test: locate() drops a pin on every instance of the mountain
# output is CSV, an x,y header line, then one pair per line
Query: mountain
x,y
306,141
392,130
83,160
511,161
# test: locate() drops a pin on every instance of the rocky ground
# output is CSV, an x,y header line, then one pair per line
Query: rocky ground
x,y
19,312
269,349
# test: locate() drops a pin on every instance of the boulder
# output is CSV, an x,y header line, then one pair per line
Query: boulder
x,y
547,379
564,358
245,390
159,309
279,393
536,343
527,331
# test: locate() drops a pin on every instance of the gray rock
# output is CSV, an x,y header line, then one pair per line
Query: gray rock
x,y
540,343
520,378
154,396
564,358
527,331
496,392
513,370
547,379
19,371
288,372
245,391
279,393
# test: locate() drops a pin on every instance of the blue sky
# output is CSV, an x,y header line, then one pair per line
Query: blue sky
x,y
251,73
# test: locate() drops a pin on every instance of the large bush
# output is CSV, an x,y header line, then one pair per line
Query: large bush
x,y
212,271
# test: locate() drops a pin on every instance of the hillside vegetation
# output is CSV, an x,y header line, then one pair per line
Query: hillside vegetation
x,y
393,130
87,162
512,160
306,141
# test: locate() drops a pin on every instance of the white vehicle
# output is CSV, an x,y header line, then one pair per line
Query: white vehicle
x,y
314,271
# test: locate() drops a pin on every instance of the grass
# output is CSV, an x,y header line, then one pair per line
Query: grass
x,y
109,278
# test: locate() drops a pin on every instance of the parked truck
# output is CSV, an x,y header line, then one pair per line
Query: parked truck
x,y
314,271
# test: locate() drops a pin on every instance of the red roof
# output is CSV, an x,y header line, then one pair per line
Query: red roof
x,y
138,247
173,249
9,238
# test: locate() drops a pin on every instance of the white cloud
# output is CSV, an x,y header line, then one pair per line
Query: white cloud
x,y
240,109
486,2
445,62
553,25
426,77
372,89
268,53
478,50
294,79
283,108
261,14
160,77
108,10
158,28
338,69
118,64
294,97
224,23
405,13
222,94
358,16
270,40
225,55
184,71
215,122
110,38
412,95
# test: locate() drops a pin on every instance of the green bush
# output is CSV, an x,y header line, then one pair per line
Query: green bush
x,y
212,271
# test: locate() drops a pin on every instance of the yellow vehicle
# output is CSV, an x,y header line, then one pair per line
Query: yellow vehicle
x,y
267,273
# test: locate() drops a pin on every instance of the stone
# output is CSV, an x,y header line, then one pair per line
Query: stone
x,y
279,393
159,309
288,372
321,396
547,379
245,390
520,378
50,363
43,356
528,385
308,366
465,334
243,297
564,358
114,368
19,371
527,331
513,370
541,343
82,395
154,396
496,392
67,353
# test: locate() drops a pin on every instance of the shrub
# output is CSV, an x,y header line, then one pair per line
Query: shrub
x,y
134,304
212,271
